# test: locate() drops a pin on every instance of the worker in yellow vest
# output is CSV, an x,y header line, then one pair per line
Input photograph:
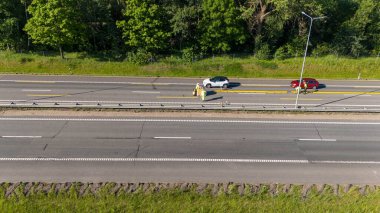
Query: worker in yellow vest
x,y
199,89
305,87
203,94
195,91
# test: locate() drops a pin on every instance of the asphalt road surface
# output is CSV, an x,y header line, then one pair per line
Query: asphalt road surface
x,y
177,149
332,93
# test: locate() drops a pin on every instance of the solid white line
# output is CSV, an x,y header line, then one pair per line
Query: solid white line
x,y
158,160
187,121
316,139
20,136
147,92
36,90
172,137
222,160
12,100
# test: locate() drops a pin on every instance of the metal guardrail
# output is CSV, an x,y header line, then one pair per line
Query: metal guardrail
x,y
189,106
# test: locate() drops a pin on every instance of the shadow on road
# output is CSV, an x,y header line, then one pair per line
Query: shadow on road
x,y
342,99
214,99
233,85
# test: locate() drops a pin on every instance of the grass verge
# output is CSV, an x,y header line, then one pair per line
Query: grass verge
x,y
185,197
328,67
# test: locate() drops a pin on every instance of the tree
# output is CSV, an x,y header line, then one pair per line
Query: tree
x,y
145,26
221,26
55,23
100,18
357,35
184,24
11,22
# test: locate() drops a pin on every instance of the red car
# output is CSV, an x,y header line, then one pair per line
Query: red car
x,y
311,83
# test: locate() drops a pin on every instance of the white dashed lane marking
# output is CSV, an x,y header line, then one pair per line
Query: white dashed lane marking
x,y
146,92
172,137
36,90
317,139
20,136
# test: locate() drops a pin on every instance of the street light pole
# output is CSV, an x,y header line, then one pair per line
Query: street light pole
x,y
304,57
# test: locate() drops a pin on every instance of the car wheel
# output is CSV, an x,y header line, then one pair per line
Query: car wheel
x,y
225,86
208,85
314,88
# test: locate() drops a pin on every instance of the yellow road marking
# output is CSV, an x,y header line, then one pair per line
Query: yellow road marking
x,y
340,92
304,99
253,91
177,97
46,95
38,82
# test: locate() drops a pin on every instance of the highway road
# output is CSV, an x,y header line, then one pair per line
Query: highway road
x,y
113,90
280,149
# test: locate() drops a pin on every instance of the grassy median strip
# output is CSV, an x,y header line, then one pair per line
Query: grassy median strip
x,y
186,197
328,67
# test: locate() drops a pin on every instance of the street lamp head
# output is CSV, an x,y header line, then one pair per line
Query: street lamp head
x,y
303,13
322,17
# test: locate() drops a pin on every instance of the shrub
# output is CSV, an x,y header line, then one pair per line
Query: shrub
x,y
264,53
188,54
322,50
282,53
140,57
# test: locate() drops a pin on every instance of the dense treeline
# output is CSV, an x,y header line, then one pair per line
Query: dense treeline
x,y
192,28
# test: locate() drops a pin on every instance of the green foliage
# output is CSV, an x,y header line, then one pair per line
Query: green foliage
x,y
184,24
55,23
11,21
174,200
361,32
207,27
188,54
140,57
282,53
264,53
322,50
145,25
99,17
327,67
221,26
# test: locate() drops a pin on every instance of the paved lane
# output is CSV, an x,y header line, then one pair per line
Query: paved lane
x,y
174,90
201,149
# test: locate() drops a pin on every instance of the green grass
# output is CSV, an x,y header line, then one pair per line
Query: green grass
x,y
175,200
328,67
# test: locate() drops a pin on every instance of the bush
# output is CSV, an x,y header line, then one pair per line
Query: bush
x,y
140,57
264,53
282,53
188,54
322,50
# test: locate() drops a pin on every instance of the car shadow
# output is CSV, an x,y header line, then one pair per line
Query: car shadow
x,y
233,85
321,86
212,92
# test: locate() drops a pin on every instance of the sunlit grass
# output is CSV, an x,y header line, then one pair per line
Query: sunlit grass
x,y
175,200
328,67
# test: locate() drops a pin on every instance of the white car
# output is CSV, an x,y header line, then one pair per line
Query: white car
x,y
217,81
